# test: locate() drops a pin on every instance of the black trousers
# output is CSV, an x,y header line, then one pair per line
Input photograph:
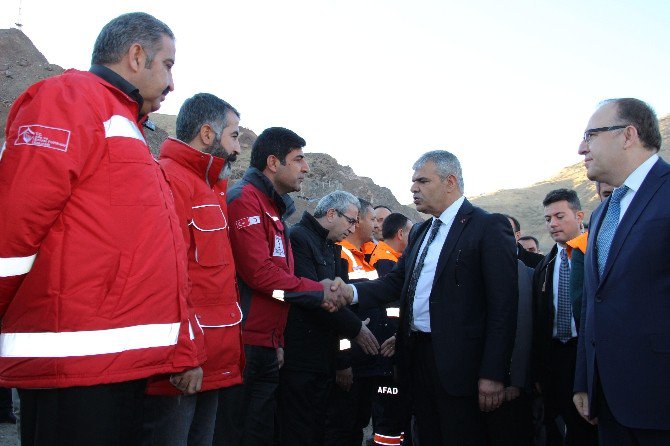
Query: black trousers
x,y
229,418
558,392
303,401
102,415
441,419
349,412
512,423
259,403
390,411
611,432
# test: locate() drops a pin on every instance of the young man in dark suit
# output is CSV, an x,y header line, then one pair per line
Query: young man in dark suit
x,y
623,359
457,282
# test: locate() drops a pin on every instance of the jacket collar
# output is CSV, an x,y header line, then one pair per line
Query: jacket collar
x,y
258,179
206,166
118,81
311,223
383,245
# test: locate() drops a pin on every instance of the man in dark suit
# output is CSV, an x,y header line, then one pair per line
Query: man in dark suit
x,y
530,259
457,281
623,360
556,321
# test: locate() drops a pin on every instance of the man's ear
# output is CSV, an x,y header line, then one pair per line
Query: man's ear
x,y
272,162
136,57
207,134
580,215
632,136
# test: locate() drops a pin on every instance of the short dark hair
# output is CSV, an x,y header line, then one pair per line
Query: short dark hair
x,y
568,195
276,141
392,224
365,207
640,115
383,206
121,33
201,109
517,226
530,237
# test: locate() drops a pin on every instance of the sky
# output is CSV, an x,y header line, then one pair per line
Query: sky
x,y
507,86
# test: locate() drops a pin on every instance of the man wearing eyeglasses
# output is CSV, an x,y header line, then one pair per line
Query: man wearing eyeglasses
x,y
623,360
312,335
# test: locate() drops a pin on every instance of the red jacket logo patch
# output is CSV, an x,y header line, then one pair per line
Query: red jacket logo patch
x,y
43,136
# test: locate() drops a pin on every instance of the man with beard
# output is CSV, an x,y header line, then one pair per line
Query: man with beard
x,y
197,165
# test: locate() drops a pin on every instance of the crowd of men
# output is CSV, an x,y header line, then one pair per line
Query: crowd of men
x,y
146,302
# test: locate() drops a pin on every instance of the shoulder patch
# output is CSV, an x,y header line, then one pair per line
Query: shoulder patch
x,y
42,136
247,221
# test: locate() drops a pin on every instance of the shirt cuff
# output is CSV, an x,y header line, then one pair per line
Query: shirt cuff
x,y
355,299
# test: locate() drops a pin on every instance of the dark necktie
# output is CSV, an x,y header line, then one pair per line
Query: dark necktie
x,y
608,228
564,310
411,289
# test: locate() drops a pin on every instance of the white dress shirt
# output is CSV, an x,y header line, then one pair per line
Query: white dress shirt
x,y
557,269
634,181
424,286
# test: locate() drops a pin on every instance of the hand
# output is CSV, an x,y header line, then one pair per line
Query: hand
x,y
280,356
346,290
581,400
189,382
490,394
332,297
344,379
366,340
512,393
388,347
537,388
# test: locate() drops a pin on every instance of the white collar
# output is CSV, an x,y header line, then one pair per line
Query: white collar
x,y
635,179
450,213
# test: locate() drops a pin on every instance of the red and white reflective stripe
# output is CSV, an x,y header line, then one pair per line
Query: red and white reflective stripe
x,y
345,344
87,343
388,440
225,221
278,294
16,266
2,149
121,126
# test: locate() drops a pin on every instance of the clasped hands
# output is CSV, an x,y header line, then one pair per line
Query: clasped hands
x,y
336,294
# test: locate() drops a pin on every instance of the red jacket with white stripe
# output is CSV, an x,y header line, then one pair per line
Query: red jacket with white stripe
x,y
93,273
264,260
201,207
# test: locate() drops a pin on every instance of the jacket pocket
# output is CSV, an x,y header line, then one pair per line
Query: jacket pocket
x,y
117,279
133,174
208,224
219,316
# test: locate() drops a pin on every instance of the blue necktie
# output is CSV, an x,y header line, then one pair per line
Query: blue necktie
x,y
414,279
564,310
608,228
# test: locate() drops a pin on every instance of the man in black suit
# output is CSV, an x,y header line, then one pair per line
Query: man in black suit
x,y
457,281
556,322
530,259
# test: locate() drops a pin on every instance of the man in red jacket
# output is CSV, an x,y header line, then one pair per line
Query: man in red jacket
x,y
197,165
93,278
257,206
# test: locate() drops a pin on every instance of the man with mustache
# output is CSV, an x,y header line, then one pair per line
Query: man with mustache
x,y
259,204
93,273
197,165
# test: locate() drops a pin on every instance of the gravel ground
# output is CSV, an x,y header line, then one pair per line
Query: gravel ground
x,y
8,435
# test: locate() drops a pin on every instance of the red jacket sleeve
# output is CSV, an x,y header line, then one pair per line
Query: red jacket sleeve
x,y
253,258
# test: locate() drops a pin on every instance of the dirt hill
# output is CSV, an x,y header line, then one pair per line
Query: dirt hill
x,y
21,64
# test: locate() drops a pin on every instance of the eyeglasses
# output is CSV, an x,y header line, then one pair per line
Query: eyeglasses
x,y
591,132
351,221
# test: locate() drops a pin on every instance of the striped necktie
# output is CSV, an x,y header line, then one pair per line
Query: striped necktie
x,y
608,228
